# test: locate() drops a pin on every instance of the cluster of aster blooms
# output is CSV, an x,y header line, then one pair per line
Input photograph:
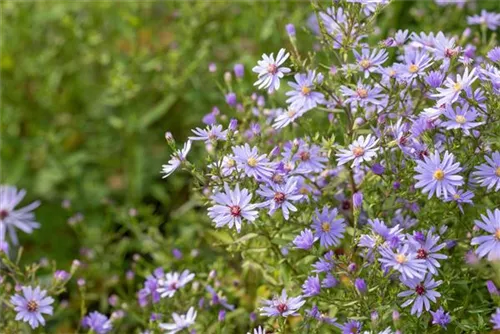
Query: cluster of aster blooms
x,y
376,183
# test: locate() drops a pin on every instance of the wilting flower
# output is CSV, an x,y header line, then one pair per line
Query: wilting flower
x,y
280,196
404,260
232,206
282,305
10,219
329,228
181,321
303,95
177,158
97,322
361,150
488,174
270,72
436,176
421,293
172,282
489,244
31,304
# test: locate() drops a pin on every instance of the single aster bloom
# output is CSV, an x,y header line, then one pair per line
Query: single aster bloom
x,y
97,322
351,327
460,197
181,321
282,305
444,47
270,72
310,157
303,95
176,159
489,244
304,240
287,117
452,91
361,150
370,62
168,285
232,206
495,319
440,317
488,19
436,176
421,292
363,95
251,163
329,228
280,196
415,63
461,118
488,174
404,260
211,134
325,264
494,54
149,289
31,304
11,218
427,250
311,286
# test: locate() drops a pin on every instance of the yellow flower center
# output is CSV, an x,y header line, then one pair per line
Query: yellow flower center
x,y
230,163
358,151
497,234
252,162
439,175
460,119
291,113
413,68
362,93
325,227
392,73
365,63
303,191
305,90
497,172
400,258
457,87
456,196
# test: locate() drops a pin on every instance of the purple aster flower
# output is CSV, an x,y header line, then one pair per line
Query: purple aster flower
x,y
335,23
329,281
305,240
492,288
218,298
325,264
453,89
360,285
427,250
176,159
441,318
280,196
210,134
287,117
329,228
377,169
404,260
494,54
270,72
489,244
363,95
251,163
370,62
311,286
290,29
10,219
460,197
239,70
181,321
97,322
434,78
361,150
436,176
461,118
488,19
495,319
421,293
231,99
168,285
303,95
231,207
31,304
415,63
282,305
381,235
444,47
310,158
488,174
351,327
61,275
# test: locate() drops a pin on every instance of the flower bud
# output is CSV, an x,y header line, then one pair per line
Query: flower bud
x,y
290,29
239,70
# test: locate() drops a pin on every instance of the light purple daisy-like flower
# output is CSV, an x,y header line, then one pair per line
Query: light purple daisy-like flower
x,y
423,40
440,317
181,321
494,54
97,322
400,37
31,304
461,118
363,149
444,47
304,240
381,235
452,89
405,260
488,19
310,157
351,327
325,264
11,218
270,72
489,244
436,176
311,286
287,117
363,95
335,23
421,292
150,286
211,134
460,197
370,62
232,206
280,196
415,63
258,330
427,250
495,319
329,228
171,282
176,160
303,95
251,163
488,174
282,305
